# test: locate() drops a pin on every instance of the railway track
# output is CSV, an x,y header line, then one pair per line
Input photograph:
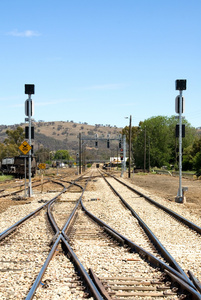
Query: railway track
x,y
185,247
122,273
19,189
22,255
98,268
45,260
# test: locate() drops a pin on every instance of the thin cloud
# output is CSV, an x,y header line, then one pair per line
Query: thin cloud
x,y
26,33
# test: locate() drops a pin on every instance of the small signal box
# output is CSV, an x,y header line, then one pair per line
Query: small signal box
x,y
177,104
29,89
180,84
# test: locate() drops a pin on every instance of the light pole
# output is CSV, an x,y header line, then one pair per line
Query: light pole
x,y
129,149
80,149
145,154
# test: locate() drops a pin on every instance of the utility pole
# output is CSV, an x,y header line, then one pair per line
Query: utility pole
x,y
145,149
123,166
80,151
129,151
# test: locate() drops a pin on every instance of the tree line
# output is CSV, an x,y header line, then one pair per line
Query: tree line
x,y
15,137
154,144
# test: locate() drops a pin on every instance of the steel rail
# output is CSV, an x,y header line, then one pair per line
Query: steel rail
x,y
42,271
61,236
9,230
57,238
152,236
80,267
71,217
196,282
183,279
178,277
51,217
17,192
167,210
83,272
99,285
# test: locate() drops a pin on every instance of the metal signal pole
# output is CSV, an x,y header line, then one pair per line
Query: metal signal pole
x,y
179,103
30,113
145,145
29,89
180,146
80,151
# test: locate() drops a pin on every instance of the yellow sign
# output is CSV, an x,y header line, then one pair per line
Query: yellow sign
x,y
25,147
42,166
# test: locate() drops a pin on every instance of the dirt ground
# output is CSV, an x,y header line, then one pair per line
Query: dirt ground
x,y
167,187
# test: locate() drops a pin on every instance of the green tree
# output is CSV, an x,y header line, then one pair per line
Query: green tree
x,y
15,137
10,146
153,140
62,155
187,142
155,137
197,163
195,155
187,163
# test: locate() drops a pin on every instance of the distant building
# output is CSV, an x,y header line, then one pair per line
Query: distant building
x,y
116,160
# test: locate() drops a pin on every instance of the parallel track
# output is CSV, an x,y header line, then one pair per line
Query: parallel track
x,y
116,272
164,223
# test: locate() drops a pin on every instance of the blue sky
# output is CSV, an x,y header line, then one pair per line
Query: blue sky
x,y
99,61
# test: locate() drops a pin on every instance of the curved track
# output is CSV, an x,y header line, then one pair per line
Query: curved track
x,y
82,256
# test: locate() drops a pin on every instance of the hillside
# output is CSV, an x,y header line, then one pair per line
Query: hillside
x,y
65,135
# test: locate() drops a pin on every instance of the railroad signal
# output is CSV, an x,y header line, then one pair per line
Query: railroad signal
x,y
177,150
177,104
96,143
180,84
27,107
122,153
177,130
27,132
29,89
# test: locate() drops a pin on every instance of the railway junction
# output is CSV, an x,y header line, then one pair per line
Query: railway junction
x,y
97,236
